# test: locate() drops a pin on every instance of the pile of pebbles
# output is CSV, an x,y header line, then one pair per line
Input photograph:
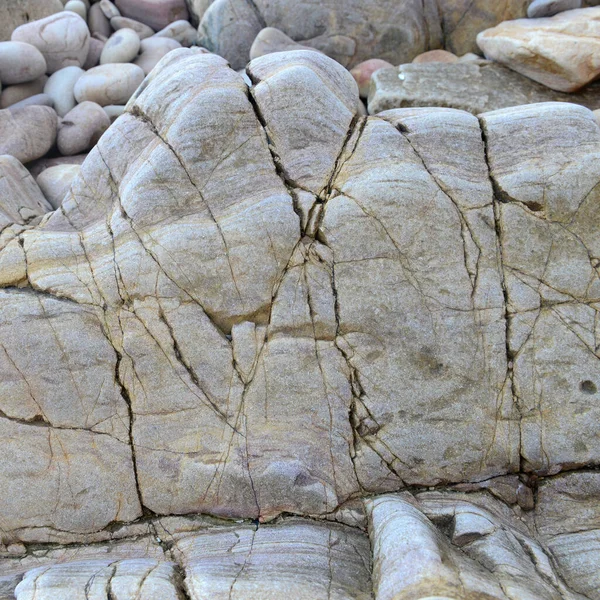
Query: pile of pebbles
x,y
66,77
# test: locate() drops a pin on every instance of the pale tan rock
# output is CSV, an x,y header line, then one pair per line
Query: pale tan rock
x,y
152,50
549,8
114,111
63,39
78,7
97,21
60,88
81,128
141,29
20,63
56,181
154,13
27,133
109,9
94,53
37,100
436,56
16,93
562,52
38,166
181,31
271,40
122,47
17,12
363,73
108,84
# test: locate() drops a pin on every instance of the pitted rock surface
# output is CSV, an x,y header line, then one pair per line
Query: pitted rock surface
x,y
254,302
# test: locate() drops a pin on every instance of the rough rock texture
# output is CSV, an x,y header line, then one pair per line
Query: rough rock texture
x,y
14,13
351,31
474,87
253,302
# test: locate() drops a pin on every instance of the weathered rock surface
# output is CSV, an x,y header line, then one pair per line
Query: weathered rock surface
x,y
474,87
254,302
14,13
56,181
549,8
562,52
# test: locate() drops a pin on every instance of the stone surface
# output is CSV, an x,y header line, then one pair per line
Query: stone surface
x,y
109,84
436,56
56,181
78,7
475,87
94,53
122,47
549,8
63,39
60,88
154,13
562,52
142,30
97,21
180,31
81,128
363,73
14,13
152,50
20,63
27,133
37,100
271,40
16,93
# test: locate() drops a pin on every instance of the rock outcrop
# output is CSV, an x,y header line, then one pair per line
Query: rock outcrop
x,y
254,303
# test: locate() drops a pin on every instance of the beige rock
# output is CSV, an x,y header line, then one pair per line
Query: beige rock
x,y
94,53
122,47
181,31
271,40
109,9
63,39
549,8
55,182
154,13
38,166
109,84
20,198
16,93
142,30
60,88
363,73
114,111
78,7
27,133
37,100
17,12
152,50
436,56
562,52
20,63
81,128
97,21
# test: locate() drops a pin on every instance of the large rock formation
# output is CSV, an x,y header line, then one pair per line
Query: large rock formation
x,y
255,303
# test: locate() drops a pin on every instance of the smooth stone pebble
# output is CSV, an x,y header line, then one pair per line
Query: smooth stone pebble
x,y
152,50
154,13
20,63
549,8
109,9
436,56
94,53
78,7
114,111
55,182
41,164
27,133
62,38
37,100
270,40
363,72
100,37
60,88
81,128
122,47
109,84
142,30
16,93
97,21
182,31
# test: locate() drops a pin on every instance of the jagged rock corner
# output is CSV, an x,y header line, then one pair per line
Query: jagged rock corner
x,y
267,344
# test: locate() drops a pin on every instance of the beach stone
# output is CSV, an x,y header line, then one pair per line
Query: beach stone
x,y
27,133
152,50
363,73
20,63
114,111
56,181
60,88
78,7
561,52
154,13
142,30
472,86
97,21
39,166
20,197
109,9
109,84
63,39
181,31
549,8
94,53
17,12
122,47
81,128
271,40
16,93
435,56
37,100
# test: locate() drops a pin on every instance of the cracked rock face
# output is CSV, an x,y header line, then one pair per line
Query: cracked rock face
x,y
254,302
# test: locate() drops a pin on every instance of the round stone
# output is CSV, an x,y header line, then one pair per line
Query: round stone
x,y
16,93
182,31
60,88
154,13
121,47
436,56
78,7
142,30
363,72
97,21
153,49
20,63
109,84
94,54
81,128
56,181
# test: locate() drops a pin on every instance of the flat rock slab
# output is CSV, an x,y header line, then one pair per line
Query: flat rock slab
x,y
476,88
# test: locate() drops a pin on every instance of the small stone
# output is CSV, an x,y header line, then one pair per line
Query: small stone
x,y
39,166
152,50
20,63
37,100
27,133
94,53
109,9
363,72
60,88
142,30
81,128
114,111
471,57
154,13
56,181
78,7
62,38
549,8
97,21
121,47
436,56
16,549
271,40
16,93
181,31
109,84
